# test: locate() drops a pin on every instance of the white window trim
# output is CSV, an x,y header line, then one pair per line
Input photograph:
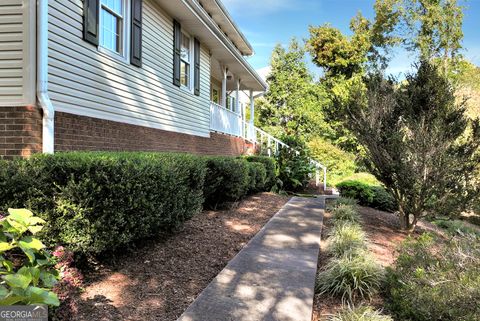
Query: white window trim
x,y
190,87
125,55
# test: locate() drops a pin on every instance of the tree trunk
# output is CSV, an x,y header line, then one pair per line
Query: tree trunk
x,y
405,223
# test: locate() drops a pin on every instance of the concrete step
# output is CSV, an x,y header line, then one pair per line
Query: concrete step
x,y
273,277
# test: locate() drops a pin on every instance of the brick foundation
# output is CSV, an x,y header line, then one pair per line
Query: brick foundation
x,y
20,131
74,132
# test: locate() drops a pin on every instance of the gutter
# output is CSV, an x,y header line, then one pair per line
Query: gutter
x,y
48,138
234,25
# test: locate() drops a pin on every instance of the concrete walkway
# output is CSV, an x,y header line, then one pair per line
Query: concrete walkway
x,y
273,277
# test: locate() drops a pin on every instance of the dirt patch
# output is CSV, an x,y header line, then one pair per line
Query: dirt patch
x,y
161,279
384,237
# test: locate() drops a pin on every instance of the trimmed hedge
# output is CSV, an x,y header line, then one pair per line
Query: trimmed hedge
x,y
270,166
368,195
96,202
227,180
258,175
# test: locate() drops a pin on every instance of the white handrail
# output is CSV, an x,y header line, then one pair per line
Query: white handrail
x,y
252,134
229,122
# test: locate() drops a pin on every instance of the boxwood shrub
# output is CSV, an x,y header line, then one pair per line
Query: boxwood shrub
x,y
95,202
257,177
270,166
227,180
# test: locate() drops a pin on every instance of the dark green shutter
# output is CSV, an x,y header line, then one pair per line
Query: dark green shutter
x,y
90,21
196,76
177,50
136,34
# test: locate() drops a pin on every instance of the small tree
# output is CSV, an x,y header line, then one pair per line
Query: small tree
x,y
419,142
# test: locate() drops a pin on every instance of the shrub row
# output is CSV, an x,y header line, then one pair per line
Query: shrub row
x,y
368,195
95,202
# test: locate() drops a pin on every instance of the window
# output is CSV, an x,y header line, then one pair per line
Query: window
x,y
113,26
186,55
215,96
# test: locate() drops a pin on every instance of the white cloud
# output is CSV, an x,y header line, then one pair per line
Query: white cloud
x,y
258,7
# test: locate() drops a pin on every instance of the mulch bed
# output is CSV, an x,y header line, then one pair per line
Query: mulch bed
x,y
161,278
383,230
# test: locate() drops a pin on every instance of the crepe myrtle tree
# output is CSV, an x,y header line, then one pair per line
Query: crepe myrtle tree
x,y
419,142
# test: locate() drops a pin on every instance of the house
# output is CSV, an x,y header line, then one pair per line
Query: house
x,y
149,75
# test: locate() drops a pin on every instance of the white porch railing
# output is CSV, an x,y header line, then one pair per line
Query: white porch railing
x,y
225,121
228,122
273,145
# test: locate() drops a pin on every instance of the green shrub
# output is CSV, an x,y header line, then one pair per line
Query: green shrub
x,y
270,166
340,164
94,202
351,277
227,180
361,313
345,213
346,238
436,280
258,175
363,177
367,195
27,269
456,227
294,167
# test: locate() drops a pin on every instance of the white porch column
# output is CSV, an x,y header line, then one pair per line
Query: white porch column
x,y
252,108
224,87
237,97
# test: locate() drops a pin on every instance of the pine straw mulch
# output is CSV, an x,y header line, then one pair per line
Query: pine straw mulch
x,y
384,236
159,279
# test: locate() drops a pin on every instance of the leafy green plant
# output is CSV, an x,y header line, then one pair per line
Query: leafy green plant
x,y
26,268
294,167
435,279
360,313
346,238
345,213
351,277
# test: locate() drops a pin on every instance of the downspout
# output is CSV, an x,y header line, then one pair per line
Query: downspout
x,y
42,78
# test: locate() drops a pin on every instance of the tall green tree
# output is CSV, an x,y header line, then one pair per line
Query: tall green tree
x,y
433,28
293,102
419,142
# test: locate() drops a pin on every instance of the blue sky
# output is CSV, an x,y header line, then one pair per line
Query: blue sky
x,y
267,22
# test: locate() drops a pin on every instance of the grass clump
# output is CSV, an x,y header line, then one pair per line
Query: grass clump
x,y
342,201
346,238
351,277
346,213
361,313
